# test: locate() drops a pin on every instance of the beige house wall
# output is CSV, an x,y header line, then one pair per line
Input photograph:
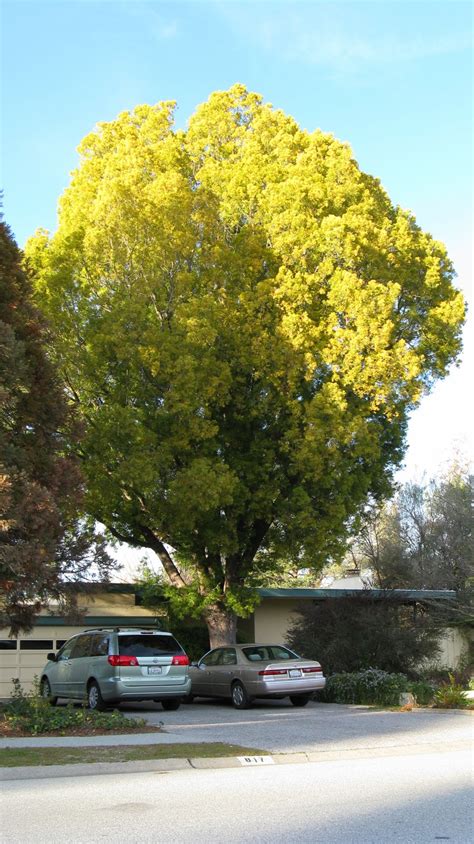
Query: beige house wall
x,y
272,618
454,648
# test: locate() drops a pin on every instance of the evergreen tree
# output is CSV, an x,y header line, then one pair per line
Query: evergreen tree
x,y
43,542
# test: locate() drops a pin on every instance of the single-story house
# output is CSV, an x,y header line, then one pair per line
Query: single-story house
x,y
119,605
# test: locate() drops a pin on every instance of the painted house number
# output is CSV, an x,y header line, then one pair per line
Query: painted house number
x,y
255,760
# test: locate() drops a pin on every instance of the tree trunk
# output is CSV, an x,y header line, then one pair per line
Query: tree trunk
x,y
222,626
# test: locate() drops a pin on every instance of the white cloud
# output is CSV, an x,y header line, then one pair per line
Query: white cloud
x,y
332,35
157,23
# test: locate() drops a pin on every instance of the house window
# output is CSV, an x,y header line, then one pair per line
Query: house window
x,y
8,644
36,644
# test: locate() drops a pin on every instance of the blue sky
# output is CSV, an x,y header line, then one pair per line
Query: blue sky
x,y
393,79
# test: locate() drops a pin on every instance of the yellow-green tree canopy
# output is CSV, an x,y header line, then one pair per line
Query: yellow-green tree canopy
x,y
244,321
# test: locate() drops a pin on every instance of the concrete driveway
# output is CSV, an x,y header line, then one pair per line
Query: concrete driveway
x,y
278,727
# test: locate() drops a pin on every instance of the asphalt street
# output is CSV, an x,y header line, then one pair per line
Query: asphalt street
x,y
410,799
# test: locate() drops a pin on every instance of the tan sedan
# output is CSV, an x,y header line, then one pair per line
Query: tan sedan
x,y
245,672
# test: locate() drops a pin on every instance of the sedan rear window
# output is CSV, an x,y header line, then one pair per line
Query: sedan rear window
x,y
266,652
152,644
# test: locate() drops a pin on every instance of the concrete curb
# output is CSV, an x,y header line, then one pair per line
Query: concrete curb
x,y
163,766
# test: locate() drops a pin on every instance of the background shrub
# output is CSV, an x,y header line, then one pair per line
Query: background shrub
x,y
363,631
422,691
365,687
194,639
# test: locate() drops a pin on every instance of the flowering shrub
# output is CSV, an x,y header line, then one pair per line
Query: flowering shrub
x,y
31,713
371,686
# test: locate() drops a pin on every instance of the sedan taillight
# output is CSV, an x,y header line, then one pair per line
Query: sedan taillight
x,y
115,659
316,669
271,672
180,659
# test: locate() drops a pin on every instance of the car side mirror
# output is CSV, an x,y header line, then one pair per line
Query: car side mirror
x,y
51,657
194,664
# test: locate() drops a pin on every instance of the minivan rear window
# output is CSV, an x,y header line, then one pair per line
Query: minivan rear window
x,y
148,644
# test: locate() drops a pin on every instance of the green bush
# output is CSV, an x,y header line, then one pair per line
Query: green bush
x,y
365,687
363,631
450,695
422,691
194,639
30,713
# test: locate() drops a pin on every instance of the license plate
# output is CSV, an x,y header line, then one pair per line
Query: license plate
x,y
295,672
154,669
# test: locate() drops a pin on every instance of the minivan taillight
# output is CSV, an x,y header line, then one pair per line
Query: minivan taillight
x,y
115,659
180,659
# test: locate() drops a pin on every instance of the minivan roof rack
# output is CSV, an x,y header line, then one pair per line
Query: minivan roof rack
x,y
124,629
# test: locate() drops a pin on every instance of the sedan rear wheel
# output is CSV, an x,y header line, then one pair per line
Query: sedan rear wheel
x,y
300,700
171,705
240,698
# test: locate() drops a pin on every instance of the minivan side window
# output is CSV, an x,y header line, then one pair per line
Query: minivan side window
x,y
99,645
66,650
82,647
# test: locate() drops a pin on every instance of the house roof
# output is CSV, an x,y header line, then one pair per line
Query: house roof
x,y
140,621
314,594
396,594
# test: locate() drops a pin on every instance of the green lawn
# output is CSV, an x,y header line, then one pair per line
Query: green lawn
x,y
14,756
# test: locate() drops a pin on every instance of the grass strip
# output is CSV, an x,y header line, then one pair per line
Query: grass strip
x,y
11,757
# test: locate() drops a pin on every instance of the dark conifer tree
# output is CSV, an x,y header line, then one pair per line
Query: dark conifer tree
x,y
44,542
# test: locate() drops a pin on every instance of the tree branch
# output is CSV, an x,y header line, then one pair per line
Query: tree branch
x,y
172,571
149,539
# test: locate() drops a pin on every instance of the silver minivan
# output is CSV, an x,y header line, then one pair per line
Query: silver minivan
x,y
109,666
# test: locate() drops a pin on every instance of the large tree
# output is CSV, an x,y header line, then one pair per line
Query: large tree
x,y
43,541
244,321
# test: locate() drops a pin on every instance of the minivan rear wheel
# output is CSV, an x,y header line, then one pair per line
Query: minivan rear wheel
x,y
94,697
171,704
